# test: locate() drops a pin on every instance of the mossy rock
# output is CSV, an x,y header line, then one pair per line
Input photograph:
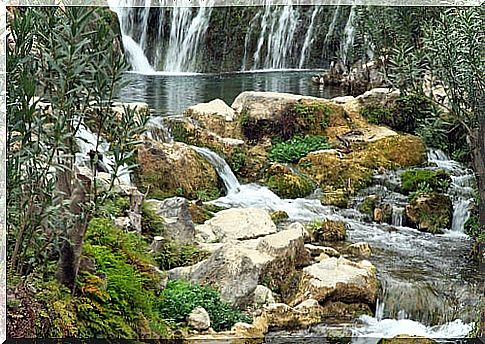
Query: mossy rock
x,y
430,212
199,214
406,339
333,172
339,198
341,311
167,170
368,205
279,216
328,230
411,180
291,185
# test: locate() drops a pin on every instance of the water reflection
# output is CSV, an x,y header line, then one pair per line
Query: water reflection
x,y
171,94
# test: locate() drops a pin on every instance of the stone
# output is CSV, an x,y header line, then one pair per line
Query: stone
x,y
263,105
178,220
310,303
359,249
280,316
262,296
175,169
239,224
406,339
214,107
339,279
316,250
430,212
330,230
321,257
199,319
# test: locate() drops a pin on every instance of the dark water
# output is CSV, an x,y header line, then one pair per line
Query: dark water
x,y
172,94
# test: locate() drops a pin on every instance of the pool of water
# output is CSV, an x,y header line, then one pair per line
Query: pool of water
x,y
171,94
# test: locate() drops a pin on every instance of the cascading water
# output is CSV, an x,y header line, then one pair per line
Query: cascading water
x,y
186,33
348,39
397,216
178,39
308,37
461,188
427,287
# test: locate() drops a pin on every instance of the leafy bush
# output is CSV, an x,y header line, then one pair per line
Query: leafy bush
x,y
179,298
437,181
472,226
297,147
376,114
151,223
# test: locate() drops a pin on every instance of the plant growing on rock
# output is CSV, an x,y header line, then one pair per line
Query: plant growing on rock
x,y
297,147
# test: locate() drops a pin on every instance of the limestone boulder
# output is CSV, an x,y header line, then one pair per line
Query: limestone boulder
x,y
359,249
167,170
239,224
339,279
199,319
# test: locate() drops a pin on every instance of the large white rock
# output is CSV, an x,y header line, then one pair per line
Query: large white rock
x,y
216,106
339,279
238,224
199,319
263,105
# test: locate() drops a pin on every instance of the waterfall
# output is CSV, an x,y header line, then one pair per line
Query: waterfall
x,y
134,50
186,35
348,39
308,37
397,216
331,28
228,178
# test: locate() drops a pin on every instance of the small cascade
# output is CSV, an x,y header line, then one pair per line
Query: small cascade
x,y
461,188
86,141
397,216
136,57
157,131
331,29
309,37
228,178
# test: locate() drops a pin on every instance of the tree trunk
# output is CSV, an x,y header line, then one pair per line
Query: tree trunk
x,y
71,249
479,162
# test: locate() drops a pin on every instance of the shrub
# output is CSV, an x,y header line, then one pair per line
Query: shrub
x,y
151,223
179,298
297,147
437,181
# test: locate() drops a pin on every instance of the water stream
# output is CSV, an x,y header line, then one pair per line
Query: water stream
x,y
429,287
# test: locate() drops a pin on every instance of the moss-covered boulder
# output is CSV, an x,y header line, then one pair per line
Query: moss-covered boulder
x,y
339,198
288,183
430,212
328,230
411,180
279,216
167,170
332,171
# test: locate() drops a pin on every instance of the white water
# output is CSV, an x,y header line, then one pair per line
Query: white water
x,y
186,34
309,38
134,50
461,188
348,39
331,28
86,140
374,329
397,216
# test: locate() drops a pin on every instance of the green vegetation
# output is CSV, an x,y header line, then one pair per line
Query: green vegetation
x,y
172,255
417,180
291,185
297,147
404,114
151,223
179,298
236,160
279,216
368,205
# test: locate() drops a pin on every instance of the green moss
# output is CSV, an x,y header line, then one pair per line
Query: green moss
x,y
208,194
291,185
179,298
327,230
236,160
180,133
114,206
311,117
339,198
368,205
438,181
297,147
151,223
376,113
279,216
173,255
